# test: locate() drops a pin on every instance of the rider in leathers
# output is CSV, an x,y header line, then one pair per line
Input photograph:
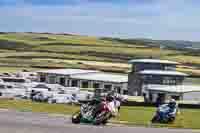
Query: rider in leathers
x,y
112,105
173,108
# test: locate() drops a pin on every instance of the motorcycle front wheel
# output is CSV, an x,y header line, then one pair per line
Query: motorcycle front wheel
x,y
101,118
76,117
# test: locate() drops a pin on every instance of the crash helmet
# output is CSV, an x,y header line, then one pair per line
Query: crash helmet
x,y
109,97
172,103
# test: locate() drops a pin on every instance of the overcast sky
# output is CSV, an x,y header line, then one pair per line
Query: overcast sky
x,y
155,19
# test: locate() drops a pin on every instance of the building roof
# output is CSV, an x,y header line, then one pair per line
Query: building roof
x,y
67,71
173,88
153,61
162,72
103,77
45,85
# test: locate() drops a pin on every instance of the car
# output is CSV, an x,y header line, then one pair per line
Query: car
x,y
62,98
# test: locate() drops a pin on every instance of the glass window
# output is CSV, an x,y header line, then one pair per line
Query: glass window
x,y
125,92
2,86
108,87
169,80
42,78
62,81
14,80
149,79
172,68
118,89
52,79
9,86
40,86
85,84
74,83
96,85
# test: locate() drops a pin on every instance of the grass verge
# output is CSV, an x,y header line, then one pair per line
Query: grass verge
x,y
24,105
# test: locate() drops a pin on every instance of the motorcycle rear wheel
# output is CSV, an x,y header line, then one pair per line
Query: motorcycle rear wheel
x,y
171,120
154,119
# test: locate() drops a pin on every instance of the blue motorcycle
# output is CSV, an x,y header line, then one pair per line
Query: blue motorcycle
x,y
164,114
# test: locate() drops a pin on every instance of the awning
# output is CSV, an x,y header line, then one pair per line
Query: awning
x,y
162,72
173,88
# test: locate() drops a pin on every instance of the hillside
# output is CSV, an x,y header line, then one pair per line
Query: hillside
x,y
41,50
169,44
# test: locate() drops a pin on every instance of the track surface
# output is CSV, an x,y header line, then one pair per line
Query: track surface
x,y
27,122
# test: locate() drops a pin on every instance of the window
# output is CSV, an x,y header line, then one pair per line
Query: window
x,y
118,89
40,86
14,80
74,83
52,79
96,85
85,84
149,79
9,87
31,75
172,68
179,80
62,81
133,68
125,92
169,81
42,78
2,86
108,87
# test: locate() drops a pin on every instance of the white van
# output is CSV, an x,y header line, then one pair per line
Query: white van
x,y
9,90
15,81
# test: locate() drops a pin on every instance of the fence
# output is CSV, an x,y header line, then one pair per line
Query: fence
x,y
181,105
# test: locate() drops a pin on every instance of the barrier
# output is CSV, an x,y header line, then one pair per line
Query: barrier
x,y
143,104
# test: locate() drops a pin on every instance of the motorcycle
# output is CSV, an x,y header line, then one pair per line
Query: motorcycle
x,y
163,115
86,114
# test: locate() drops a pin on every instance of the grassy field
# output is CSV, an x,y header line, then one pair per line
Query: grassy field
x,y
17,69
188,118
70,51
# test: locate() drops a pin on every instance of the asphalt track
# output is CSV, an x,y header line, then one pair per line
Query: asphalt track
x,y
27,122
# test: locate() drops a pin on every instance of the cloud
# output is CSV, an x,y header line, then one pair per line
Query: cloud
x,y
72,2
157,19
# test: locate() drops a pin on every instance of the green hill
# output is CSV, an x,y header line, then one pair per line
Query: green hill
x,y
43,50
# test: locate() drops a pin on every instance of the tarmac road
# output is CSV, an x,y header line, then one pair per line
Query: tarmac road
x,y
27,122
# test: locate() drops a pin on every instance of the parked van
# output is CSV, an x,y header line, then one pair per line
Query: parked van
x,y
14,80
9,90
85,96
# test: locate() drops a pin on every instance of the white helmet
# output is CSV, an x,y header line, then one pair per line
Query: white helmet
x,y
172,103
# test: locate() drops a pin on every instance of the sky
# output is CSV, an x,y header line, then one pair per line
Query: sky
x,y
153,19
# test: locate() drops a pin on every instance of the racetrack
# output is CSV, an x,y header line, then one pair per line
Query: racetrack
x,y
27,122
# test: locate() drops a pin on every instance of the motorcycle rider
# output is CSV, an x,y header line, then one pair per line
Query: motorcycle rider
x,y
109,99
32,94
114,105
173,108
172,111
